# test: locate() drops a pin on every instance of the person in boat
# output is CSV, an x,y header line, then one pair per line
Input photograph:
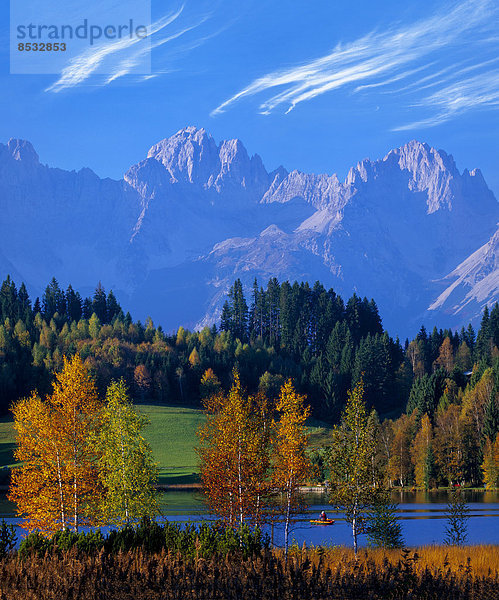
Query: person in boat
x,y
323,516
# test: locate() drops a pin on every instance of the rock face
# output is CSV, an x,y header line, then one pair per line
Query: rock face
x,y
183,223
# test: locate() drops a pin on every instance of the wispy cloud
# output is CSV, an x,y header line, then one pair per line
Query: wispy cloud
x,y
81,67
377,59
123,56
457,98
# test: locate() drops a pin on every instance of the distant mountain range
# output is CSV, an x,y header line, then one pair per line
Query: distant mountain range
x,y
409,230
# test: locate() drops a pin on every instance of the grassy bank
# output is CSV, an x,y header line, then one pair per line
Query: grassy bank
x,y
306,576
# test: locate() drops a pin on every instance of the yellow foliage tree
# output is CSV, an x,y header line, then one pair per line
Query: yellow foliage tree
x,y
234,453
194,359
210,384
448,442
446,356
57,486
490,465
400,465
354,486
291,465
422,455
475,401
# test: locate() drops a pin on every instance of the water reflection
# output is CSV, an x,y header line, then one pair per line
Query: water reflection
x,y
422,515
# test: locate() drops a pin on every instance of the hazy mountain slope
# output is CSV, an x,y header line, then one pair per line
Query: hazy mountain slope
x,y
471,285
68,224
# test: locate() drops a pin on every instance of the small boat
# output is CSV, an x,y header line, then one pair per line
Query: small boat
x,y
322,521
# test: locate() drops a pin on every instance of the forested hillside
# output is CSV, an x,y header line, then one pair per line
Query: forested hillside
x,y
309,334
436,397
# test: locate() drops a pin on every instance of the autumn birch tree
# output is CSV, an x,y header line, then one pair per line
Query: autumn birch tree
x,y
291,465
41,486
57,485
126,467
422,454
353,488
490,465
233,454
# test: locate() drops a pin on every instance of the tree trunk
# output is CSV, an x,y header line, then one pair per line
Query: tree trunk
x,y
61,493
240,485
354,529
287,521
75,487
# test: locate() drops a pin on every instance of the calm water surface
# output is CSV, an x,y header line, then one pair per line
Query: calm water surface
x,y
421,515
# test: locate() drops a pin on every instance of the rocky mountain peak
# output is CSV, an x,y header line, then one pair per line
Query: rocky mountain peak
x,y
237,167
189,155
22,150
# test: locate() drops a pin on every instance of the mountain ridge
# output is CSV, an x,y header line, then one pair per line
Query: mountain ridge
x,y
395,228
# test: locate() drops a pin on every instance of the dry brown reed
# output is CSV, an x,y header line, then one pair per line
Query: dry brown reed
x,y
308,575
483,560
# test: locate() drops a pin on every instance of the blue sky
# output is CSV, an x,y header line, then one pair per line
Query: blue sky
x,y
315,86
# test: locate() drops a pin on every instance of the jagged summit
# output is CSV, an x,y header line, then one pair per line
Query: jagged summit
x,y
22,150
191,156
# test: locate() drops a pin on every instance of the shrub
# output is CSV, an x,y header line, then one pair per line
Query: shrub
x,y
189,541
8,538
383,527
61,542
457,519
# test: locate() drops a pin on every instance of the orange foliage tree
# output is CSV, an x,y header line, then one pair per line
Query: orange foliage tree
x,y
234,454
56,486
490,465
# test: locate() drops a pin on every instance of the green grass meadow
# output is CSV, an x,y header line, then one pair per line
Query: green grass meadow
x,y
172,435
7,441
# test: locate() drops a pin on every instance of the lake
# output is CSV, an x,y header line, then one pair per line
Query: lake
x,y
421,515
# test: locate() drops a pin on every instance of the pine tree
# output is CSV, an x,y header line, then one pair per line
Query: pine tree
x,y
87,310
226,322
112,307
491,415
53,300
383,526
24,305
8,299
99,303
73,305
